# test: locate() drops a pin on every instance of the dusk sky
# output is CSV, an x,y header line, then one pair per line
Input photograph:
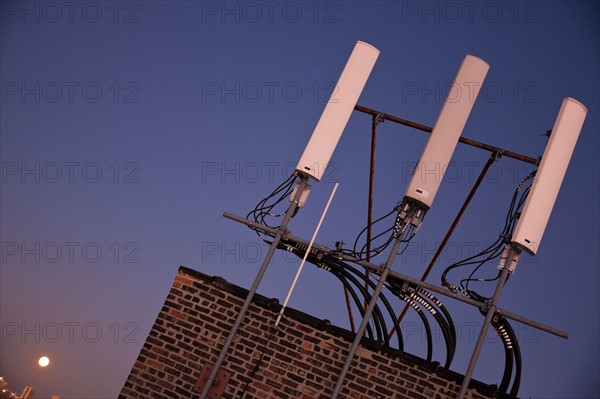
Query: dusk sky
x,y
129,127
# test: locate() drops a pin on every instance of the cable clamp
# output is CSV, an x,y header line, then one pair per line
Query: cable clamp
x,y
486,305
278,327
497,154
301,200
506,238
516,253
405,286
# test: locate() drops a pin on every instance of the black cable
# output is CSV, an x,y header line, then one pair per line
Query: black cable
x,y
263,209
398,292
494,250
350,276
512,356
361,253
472,259
376,250
312,259
377,316
361,310
448,332
386,303
343,268
508,354
495,254
514,390
425,324
444,311
258,363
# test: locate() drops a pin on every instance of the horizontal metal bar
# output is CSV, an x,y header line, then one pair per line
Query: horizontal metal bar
x,y
408,279
533,323
288,237
473,143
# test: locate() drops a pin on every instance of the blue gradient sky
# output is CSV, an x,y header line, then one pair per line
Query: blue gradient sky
x,y
128,128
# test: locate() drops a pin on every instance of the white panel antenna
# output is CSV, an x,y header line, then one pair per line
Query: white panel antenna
x,y
550,174
335,116
429,172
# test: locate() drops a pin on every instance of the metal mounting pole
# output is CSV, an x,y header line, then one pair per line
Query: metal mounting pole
x,y
232,333
382,277
363,325
488,319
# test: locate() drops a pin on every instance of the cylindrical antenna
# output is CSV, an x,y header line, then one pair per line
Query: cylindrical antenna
x,y
312,241
337,112
451,121
550,174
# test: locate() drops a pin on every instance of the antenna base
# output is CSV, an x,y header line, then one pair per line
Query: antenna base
x,y
411,212
303,196
512,251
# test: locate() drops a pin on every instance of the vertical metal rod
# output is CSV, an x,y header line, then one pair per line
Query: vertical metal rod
x,y
486,323
462,210
349,309
363,325
232,333
374,122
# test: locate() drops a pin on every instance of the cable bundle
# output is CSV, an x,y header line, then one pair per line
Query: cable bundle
x,y
494,250
264,209
356,282
389,235
512,354
502,326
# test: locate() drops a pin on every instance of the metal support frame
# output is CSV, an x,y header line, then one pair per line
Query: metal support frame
x,y
464,140
491,310
384,271
495,153
234,329
410,280
489,307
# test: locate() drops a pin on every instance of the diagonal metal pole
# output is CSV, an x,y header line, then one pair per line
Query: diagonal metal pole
x,y
263,268
462,210
363,325
486,323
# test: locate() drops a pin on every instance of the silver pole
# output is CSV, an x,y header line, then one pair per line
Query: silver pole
x,y
486,323
257,280
365,321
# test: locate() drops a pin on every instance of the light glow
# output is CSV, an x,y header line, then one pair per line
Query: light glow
x,y
44,361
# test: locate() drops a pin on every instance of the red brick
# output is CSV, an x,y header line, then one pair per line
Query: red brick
x,y
304,362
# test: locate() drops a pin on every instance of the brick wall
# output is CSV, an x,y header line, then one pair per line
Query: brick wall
x,y
303,362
